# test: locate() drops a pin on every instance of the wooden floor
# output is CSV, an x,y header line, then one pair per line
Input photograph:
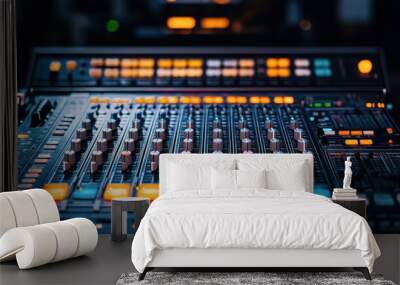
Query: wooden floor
x,y
103,266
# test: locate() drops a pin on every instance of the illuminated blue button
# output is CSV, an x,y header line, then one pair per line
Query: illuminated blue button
x,y
322,62
87,191
323,72
322,190
383,199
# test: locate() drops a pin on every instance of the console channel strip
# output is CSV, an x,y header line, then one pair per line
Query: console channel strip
x,y
94,121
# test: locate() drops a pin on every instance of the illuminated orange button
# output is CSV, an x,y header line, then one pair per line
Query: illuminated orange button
x,y
95,73
351,142
246,63
145,72
246,72
149,100
181,23
120,100
195,99
283,62
59,191
389,131
229,72
356,132
215,23
284,72
272,72
162,100
365,66
164,72
96,62
116,190
381,105
173,100
265,100
126,72
150,191
254,100
146,62
241,100
194,72
184,100
179,72
231,99
104,100
366,142
195,63
140,100
288,99
55,66
369,105
111,73
179,63
218,100
71,65
94,99
278,100
112,62
164,63
134,72
129,62
208,100
271,62
344,133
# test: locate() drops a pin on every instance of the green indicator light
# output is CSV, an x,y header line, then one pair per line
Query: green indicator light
x,y
317,105
328,104
112,26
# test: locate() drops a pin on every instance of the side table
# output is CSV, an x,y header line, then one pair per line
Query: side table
x,y
119,215
357,205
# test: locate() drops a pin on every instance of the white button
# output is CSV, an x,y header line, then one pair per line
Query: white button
x,y
302,72
213,63
213,72
230,62
301,62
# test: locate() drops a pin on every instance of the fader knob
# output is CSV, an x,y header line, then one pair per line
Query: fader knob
x,y
129,145
112,124
301,145
160,133
76,145
246,145
244,133
298,133
134,133
69,156
163,123
97,156
136,123
157,144
271,133
81,134
87,124
102,145
274,145
126,159
188,144
217,145
154,157
189,133
107,134
93,167
217,133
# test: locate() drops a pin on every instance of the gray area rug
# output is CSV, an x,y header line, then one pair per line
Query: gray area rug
x,y
233,278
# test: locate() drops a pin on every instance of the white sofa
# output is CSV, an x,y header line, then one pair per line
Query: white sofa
x,y
31,231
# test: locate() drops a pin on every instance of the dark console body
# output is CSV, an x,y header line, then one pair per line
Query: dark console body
x,y
94,121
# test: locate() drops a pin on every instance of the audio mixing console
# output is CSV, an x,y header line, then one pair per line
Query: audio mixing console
x,y
94,121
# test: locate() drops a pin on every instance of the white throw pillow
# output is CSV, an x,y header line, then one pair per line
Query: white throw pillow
x,y
184,177
291,178
251,178
223,179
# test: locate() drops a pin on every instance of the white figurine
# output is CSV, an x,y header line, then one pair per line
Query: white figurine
x,y
347,174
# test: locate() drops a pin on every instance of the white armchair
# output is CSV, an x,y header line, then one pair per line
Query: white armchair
x,y
31,230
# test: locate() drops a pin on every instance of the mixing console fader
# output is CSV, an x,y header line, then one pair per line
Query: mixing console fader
x,y
94,122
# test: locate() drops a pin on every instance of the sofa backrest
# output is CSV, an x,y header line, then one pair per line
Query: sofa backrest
x,y
283,163
26,208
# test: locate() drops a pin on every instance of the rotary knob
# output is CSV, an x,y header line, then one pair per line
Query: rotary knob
x,y
154,158
217,145
188,145
274,145
244,133
216,123
217,133
246,145
129,145
157,144
189,133
134,133
302,145
160,133
107,134
292,123
102,145
271,133
81,134
136,123
76,145
297,134
87,124
126,160
112,124
268,124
